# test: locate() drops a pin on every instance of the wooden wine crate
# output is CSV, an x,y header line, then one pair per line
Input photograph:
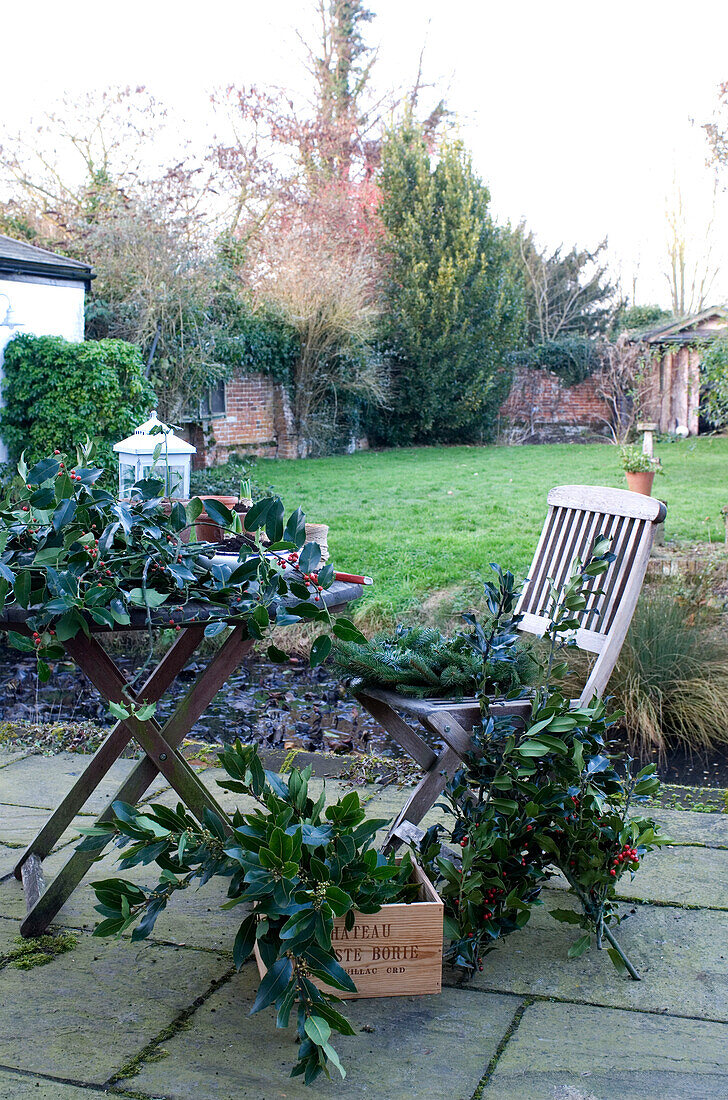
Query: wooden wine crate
x,y
396,952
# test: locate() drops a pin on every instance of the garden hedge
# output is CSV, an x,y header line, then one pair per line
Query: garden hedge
x,y
56,392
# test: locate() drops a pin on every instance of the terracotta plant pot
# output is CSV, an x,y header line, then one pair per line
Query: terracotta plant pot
x,y
207,530
641,482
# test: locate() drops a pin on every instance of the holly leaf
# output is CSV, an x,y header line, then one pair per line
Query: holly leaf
x,y
320,650
577,949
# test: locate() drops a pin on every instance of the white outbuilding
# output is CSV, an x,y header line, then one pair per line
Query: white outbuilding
x,y
41,293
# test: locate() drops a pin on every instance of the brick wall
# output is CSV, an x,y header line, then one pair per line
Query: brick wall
x,y
257,421
538,398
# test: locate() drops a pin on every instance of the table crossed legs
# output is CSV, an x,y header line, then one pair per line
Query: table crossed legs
x,y
162,756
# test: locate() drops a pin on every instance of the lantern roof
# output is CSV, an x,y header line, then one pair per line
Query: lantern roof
x,y
145,439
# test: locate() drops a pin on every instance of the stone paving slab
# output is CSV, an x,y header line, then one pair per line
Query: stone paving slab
x,y
8,935
443,1042
12,757
193,918
691,827
43,781
576,1052
16,1086
92,1010
683,875
86,1013
8,859
19,825
681,954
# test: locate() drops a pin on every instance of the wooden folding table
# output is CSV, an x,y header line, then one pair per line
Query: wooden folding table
x,y
161,744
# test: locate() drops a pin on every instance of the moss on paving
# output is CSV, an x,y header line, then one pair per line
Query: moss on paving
x,y
154,1051
39,950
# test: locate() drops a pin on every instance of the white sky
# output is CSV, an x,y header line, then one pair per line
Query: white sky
x,y
578,113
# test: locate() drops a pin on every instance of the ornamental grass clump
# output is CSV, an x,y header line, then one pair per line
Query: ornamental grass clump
x,y
671,679
298,862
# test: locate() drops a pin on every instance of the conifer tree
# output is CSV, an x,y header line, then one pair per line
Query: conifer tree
x,y
453,307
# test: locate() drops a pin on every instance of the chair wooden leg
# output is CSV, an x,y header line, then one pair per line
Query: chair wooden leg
x,y
424,795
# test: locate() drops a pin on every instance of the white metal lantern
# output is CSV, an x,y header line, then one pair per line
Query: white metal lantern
x,y
172,465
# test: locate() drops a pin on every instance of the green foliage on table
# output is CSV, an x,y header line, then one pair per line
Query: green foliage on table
x,y
420,662
73,556
56,392
299,864
548,795
452,310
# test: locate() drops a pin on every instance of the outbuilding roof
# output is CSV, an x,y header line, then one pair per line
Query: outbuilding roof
x,y
705,325
21,258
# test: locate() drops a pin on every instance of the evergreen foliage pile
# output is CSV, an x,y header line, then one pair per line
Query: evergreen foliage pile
x,y
420,662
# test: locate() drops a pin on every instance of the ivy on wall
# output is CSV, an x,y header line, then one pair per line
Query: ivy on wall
x,y
573,359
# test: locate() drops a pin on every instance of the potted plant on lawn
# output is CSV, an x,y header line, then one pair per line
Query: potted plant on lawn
x,y
640,469
331,917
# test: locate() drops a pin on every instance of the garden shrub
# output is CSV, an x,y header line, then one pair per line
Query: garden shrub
x,y
247,340
452,307
637,319
714,383
226,478
57,392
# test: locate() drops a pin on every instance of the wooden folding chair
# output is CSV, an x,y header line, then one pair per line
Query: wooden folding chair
x,y
577,514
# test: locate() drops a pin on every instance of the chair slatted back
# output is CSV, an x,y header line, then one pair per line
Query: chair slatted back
x,y
577,515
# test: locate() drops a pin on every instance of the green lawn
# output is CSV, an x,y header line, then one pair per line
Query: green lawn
x,y
426,519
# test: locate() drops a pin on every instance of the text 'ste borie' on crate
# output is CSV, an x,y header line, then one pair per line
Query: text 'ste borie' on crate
x,y
396,952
